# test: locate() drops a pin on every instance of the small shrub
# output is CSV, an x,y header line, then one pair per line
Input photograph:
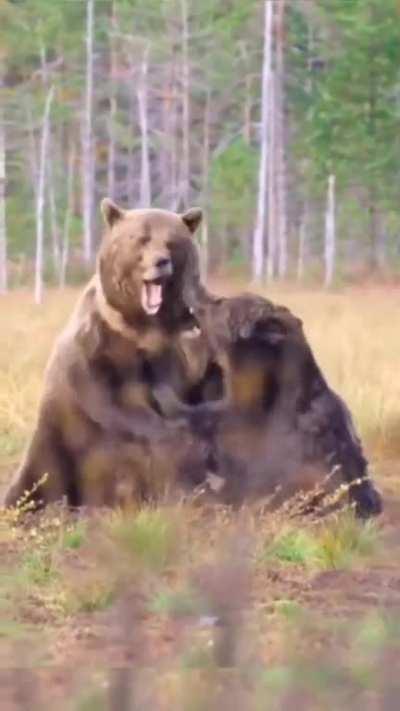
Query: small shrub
x,y
345,540
149,536
337,543
293,546
74,536
38,568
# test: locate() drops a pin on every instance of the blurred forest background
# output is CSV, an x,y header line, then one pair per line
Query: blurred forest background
x,y
281,118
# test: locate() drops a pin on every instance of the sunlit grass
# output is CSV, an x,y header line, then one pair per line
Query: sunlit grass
x,y
149,536
339,542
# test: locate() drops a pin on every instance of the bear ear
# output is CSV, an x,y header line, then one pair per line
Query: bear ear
x,y
111,212
192,218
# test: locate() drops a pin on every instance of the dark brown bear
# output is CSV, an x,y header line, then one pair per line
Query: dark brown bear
x,y
130,330
281,428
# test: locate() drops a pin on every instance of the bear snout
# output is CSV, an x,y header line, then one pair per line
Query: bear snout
x,y
163,262
161,267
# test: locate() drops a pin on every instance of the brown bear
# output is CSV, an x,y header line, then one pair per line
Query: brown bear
x,y
130,331
280,429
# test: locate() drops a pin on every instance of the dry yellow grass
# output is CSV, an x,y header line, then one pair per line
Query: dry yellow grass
x,y
353,334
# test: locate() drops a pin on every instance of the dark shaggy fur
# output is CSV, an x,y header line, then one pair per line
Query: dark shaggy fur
x,y
281,428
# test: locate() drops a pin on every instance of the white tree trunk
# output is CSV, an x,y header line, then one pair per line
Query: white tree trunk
x,y
281,202
113,107
41,198
247,111
173,129
185,190
32,149
55,232
55,229
145,185
168,157
301,255
258,238
330,232
67,218
205,186
131,173
3,228
87,142
272,183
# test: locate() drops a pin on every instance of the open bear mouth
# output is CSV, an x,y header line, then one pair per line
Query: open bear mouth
x,y
152,296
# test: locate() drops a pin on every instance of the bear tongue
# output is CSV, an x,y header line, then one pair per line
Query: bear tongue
x,y
151,297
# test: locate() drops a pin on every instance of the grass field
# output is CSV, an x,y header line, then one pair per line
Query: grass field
x,y
195,608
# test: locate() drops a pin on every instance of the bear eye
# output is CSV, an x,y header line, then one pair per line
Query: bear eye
x,y
141,241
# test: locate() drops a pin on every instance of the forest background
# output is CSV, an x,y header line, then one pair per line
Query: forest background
x,y
281,118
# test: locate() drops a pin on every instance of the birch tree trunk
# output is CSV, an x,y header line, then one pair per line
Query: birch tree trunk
x,y
258,237
301,256
281,201
32,149
246,130
247,112
330,232
205,186
185,175
272,182
41,198
113,108
54,226
3,227
304,222
55,232
131,174
87,142
67,218
145,185
174,141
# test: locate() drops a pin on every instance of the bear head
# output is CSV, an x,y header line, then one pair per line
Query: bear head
x,y
145,258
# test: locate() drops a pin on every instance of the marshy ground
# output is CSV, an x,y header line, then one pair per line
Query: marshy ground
x,y
193,608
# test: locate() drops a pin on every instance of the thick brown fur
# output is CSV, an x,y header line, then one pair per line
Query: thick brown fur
x,y
280,428
98,420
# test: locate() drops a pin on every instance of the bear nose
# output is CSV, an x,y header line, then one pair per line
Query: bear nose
x,y
162,262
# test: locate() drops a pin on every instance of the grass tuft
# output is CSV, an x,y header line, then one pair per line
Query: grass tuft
x,y
180,603
344,541
337,543
150,537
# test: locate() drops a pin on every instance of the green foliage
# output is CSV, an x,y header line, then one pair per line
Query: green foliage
x,y
38,568
75,535
181,603
342,90
345,541
294,547
341,109
150,537
338,543
233,185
